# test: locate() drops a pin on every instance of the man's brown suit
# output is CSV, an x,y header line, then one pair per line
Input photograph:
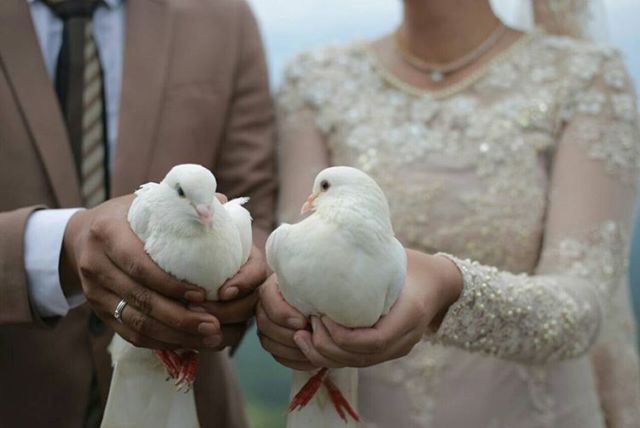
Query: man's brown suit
x,y
194,89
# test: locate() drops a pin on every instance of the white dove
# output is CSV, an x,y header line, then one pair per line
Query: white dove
x,y
190,234
344,262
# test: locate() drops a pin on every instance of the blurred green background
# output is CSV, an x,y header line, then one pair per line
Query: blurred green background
x,y
265,383
291,26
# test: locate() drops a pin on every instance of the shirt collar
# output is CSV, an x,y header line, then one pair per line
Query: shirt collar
x,y
111,4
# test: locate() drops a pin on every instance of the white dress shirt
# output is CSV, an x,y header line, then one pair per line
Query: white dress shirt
x,y
45,228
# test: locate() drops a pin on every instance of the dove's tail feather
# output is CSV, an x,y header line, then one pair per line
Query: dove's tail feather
x,y
145,188
141,397
312,393
239,201
242,219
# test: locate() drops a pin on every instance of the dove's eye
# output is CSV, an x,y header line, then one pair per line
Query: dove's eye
x,y
324,185
180,191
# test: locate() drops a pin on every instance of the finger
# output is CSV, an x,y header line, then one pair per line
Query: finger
x,y
325,345
360,340
148,327
146,331
281,351
136,339
250,276
272,330
126,251
401,319
105,312
304,341
277,309
398,347
235,311
296,365
222,198
167,311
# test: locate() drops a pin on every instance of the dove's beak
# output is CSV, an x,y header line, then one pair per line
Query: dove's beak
x,y
205,214
308,205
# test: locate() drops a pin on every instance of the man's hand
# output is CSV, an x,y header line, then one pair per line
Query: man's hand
x,y
104,258
238,297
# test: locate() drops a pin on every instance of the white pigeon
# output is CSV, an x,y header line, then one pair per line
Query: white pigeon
x,y
344,262
190,234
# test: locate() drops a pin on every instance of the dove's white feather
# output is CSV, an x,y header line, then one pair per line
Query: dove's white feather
x,y
351,282
183,247
242,219
168,224
140,396
344,262
140,213
206,259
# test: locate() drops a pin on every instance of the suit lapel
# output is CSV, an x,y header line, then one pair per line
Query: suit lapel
x,y
148,33
22,61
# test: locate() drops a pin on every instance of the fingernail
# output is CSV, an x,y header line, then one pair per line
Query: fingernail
x,y
314,324
212,341
296,323
301,343
208,329
196,308
230,293
194,296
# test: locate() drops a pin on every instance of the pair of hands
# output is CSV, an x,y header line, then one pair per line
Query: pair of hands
x,y
103,258
433,283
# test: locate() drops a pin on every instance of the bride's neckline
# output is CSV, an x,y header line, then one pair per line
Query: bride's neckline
x,y
454,87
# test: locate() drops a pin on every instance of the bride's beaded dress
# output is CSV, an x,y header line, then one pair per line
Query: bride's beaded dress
x,y
524,175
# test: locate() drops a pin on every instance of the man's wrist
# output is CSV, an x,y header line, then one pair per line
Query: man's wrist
x,y
69,277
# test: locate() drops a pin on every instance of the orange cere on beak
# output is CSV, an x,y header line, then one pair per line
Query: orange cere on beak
x,y
205,214
308,205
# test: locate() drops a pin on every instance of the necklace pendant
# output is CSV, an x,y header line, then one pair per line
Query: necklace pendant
x,y
436,75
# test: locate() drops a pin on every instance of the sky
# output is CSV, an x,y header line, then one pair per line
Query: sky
x,y
291,26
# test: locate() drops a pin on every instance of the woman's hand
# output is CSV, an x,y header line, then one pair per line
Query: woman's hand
x,y
433,283
277,324
237,300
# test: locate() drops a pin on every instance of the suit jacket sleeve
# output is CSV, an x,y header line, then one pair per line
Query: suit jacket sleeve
x,y
246,162
15,307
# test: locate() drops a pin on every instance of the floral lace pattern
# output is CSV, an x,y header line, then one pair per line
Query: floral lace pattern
x,y
469,173
539,318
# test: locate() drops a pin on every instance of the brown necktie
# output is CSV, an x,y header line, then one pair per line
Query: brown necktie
x,y
79,86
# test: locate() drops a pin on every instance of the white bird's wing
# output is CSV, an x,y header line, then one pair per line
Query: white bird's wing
x,y
322,270
272,247
398,261
242,219
140,210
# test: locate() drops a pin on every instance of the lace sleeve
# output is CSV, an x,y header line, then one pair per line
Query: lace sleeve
x,y
556,312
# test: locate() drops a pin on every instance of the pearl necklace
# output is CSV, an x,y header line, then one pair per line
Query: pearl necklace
x,y
437,72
